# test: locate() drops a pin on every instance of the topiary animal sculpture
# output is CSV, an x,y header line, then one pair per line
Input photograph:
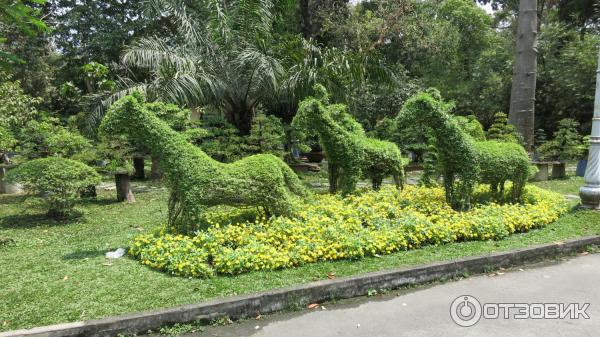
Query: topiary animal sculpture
x,y
350,153
464,161
196,180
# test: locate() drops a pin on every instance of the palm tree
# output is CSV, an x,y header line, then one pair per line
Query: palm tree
x,y
222,56
225,55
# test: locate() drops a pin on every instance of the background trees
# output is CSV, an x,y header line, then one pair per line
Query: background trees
x,y
231,61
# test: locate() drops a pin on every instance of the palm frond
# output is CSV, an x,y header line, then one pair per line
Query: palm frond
x,y
151,53
254,18
186,21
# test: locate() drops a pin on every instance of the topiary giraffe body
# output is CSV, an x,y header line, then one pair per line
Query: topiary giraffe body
x,y
350,153
198,181
464,161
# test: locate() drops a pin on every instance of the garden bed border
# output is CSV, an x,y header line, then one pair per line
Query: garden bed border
x,y
315,292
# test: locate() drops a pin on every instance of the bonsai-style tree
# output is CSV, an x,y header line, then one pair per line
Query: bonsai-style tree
x,y
117,154
266,135
501,131
217,138
566,143
59,181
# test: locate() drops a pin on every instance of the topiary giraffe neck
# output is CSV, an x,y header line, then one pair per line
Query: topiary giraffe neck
x,y
446,131
154,134
327,129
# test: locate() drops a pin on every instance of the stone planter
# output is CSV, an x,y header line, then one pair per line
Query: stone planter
x,y
305,167
559,170
542,173
138,166
314,157
581,167
123,185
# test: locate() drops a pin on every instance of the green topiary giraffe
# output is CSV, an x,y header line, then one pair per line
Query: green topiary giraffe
x,y
196,180
464,161
350,153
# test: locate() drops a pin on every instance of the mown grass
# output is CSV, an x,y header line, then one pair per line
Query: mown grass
x,y
56,272
567,186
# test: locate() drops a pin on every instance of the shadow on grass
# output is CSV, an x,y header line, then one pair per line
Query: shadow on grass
x,y
9,199
29,221
98,201
83,254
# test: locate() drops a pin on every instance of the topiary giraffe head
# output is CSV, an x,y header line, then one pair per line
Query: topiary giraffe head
x,y
425,108
117,120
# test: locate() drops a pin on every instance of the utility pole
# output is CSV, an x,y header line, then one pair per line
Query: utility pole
x,y
590,192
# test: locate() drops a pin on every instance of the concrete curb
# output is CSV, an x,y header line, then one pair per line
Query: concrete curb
x,y
315,292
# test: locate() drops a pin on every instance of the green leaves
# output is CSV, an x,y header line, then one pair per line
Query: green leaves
x,y
23,16
350,153
58,180
566,144
464,162
196,180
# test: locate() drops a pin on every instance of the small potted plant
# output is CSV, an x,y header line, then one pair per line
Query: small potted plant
x,y
565,145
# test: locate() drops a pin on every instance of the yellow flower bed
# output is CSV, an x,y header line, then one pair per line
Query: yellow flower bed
x,y
329,227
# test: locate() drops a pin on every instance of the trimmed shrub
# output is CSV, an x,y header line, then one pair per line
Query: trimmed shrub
x,y
471,126
47,137
217,138
266,135
566,144
57,180
196,180
502,131
350,153
329,227
462,160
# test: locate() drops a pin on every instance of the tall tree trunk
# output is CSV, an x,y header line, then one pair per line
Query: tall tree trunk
x,y
522,95
305,15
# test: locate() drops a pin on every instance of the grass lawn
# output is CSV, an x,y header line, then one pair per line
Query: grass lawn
x,y
55,272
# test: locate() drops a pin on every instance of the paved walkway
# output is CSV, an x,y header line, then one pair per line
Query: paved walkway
x,y
426,311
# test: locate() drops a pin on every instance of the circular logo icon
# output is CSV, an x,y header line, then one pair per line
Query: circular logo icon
x,y
465,310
